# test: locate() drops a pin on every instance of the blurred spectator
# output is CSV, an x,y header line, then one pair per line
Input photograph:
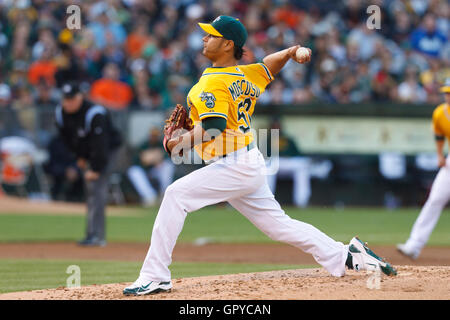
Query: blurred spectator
x,y
296,76
43,69
354,13
24,98
5,95
68,66
142,94
45,95
277,94
441,10
344,89
367,40
110,91
410,90
22,10
151,162
105,30
20,56
18,156
46,41
414,58
67,179
138,40
362,90
401,30
352,58
335,46
288,14
383,84
432,78
324,80
3,47
9,124
427,39
35,44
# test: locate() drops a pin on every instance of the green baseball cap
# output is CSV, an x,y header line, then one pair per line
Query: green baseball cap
x,y
227,27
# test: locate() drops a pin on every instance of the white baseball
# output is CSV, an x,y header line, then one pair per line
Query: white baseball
x,y
302,53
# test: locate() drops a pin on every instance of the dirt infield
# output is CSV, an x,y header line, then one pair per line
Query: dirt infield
x,y
420,279
426,278
245,253
24,206
412,282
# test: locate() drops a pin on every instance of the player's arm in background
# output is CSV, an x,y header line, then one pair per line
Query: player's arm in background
x,y
276,61
439,139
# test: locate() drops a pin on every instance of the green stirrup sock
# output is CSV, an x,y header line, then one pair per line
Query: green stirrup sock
x,y
349,261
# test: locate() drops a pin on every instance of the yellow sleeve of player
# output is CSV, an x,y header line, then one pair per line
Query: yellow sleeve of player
x,y
437,114
214,99
258,73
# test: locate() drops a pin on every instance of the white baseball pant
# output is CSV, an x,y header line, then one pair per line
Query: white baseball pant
x,y
431,211
240,180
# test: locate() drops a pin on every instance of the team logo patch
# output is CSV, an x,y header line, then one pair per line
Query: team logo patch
x,y
209,99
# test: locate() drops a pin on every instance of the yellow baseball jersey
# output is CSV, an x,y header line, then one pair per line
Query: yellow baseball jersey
x,y
229,93
441,120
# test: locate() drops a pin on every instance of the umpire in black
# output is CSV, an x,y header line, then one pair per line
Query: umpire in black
x,y
87,130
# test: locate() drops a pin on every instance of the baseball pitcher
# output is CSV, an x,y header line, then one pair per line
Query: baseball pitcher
x,y
220,107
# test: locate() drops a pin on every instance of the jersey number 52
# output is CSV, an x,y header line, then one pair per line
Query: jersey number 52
x,y
242,111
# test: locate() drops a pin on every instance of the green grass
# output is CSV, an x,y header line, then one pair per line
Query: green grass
x,y
220,224
22,275
376,226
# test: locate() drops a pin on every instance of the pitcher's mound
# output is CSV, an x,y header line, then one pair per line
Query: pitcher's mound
x,y
412,282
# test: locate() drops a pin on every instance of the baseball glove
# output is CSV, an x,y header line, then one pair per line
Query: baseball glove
x,y
177,121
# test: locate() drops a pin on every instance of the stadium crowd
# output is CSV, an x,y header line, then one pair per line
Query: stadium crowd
x,y
146,55
142,54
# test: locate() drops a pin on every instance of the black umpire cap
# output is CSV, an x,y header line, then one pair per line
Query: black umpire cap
x,y
69,90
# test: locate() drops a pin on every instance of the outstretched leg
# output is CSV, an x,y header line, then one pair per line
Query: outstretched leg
x,y
261,208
